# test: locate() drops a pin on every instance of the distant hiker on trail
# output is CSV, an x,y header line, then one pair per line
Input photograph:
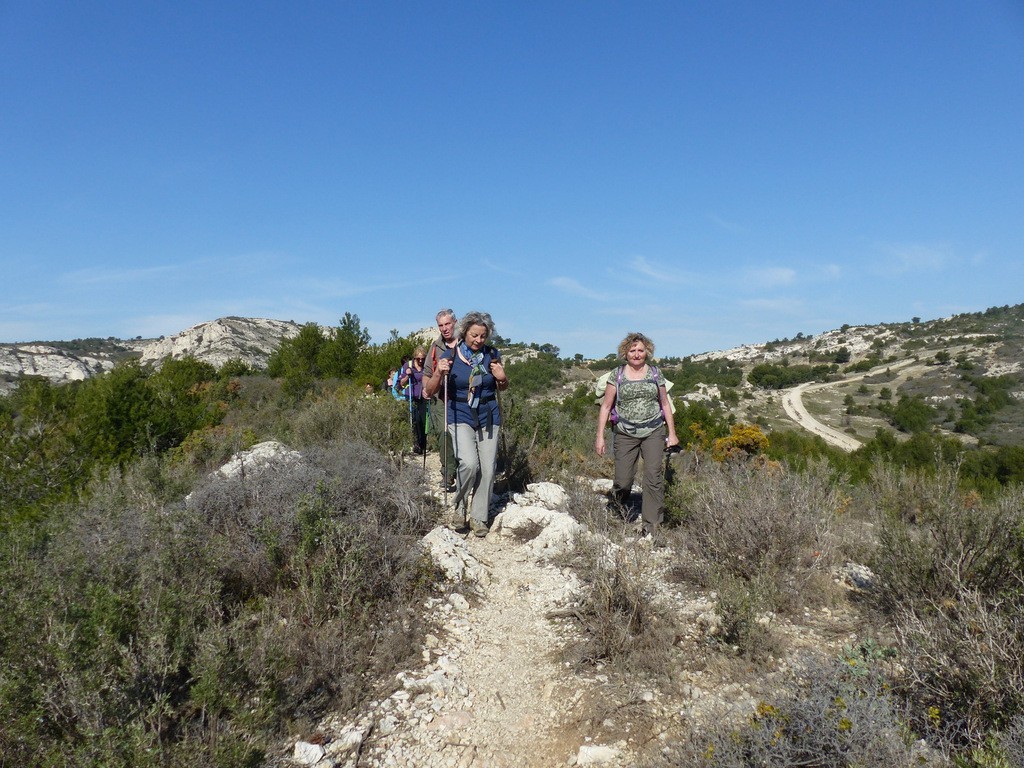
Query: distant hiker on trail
x,y
637,405
411,376
442,346
474,376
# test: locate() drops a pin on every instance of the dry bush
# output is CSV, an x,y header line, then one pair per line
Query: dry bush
x,y
949,568
765,525
620,618
840,716
934,540
745,607
593,509
1011,742
962,664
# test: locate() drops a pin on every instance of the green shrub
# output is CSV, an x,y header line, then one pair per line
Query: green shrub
x,y
771,376
687,374
380,422
140,630
535,375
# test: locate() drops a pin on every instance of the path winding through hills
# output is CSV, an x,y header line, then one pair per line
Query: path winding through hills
x,y
793,405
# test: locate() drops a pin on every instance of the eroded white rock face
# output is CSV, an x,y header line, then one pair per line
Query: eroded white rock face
x,y
57,365
596,754
306,753
252,340
248,338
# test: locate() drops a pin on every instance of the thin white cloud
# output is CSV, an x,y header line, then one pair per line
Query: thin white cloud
x,y
906,258
830,271
723,223
629,310
499,268
787,306
573,286
239,265
99,276
336,288
769,277
35,309
642,271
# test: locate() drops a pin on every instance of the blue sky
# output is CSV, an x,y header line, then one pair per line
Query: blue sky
x,y
709,173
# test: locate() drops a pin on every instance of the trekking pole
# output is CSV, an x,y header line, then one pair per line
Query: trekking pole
x,y
408,400
441,443
426,419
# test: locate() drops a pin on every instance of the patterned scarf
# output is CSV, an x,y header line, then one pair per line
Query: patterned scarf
x,y
476,374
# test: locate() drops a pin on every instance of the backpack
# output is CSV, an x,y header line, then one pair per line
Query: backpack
x,y
397,390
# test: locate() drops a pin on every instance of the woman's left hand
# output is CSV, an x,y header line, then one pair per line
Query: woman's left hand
x,y
498,372
671,440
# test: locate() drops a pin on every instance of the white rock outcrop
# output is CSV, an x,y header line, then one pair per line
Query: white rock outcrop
x,y
247,338
259,457
449,552
57,365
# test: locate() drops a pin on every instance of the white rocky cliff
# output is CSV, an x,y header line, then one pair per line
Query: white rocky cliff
x,y
249,339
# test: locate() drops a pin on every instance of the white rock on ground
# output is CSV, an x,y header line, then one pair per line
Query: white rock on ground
x,y
259,457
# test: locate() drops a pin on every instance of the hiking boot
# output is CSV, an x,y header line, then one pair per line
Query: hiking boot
x,y
459,523
652,539
479,529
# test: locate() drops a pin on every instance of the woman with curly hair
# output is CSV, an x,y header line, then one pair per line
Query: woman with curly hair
x,y
636,402
473,375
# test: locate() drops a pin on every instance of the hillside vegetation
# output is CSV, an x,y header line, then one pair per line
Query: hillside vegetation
x,y
156,613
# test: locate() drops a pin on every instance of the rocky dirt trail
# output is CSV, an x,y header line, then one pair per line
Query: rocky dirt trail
x,y
492,691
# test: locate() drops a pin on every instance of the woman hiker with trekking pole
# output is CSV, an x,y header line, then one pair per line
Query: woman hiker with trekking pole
x,y
412,376
473,375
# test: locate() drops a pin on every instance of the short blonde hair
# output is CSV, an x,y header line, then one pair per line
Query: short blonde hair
x,y
633,338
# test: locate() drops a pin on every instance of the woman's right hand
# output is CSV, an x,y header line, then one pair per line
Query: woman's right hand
x,y
599,445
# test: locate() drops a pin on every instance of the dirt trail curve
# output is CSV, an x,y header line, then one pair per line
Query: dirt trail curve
x,y
793,405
